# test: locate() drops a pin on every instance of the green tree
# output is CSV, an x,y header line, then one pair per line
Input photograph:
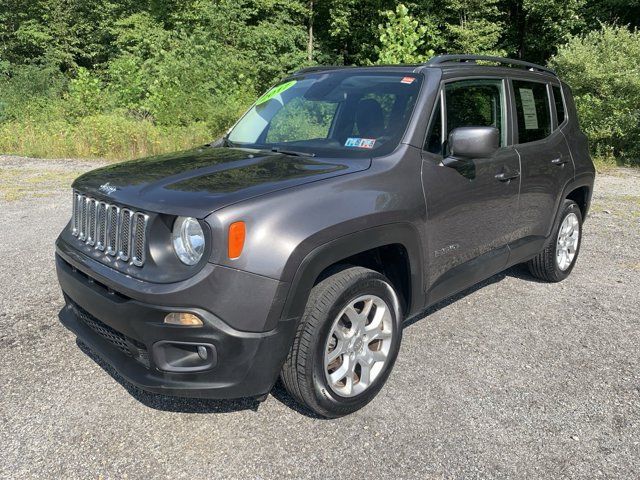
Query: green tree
x,y
602,69
537,27
474,26
620,12
402,38
347,30
194,65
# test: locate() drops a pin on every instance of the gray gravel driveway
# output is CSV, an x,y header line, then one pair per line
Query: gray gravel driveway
x,y
511,379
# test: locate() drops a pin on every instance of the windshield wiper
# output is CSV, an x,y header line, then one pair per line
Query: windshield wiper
x,y
292,152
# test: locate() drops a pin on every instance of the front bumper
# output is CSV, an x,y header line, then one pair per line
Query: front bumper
x,y
128,334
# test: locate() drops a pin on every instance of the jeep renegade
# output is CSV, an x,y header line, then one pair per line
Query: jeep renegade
x,y
343,202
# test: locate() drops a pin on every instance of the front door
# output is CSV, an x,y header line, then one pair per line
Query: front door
x,y
471,211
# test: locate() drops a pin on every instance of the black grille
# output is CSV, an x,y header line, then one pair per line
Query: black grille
x,y
126,345
112,219
91,230
125,238
83,221
111,229
139,241
101,224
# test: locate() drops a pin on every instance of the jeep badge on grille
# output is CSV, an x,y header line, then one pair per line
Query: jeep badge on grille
x,y
107,188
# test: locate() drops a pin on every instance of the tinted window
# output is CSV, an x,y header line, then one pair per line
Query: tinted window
x,y
341,114
532,108
386,102
557,97
301,119
475,103
433,143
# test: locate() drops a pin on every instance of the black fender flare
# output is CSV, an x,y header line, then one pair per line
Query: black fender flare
x,y
585,179
332,252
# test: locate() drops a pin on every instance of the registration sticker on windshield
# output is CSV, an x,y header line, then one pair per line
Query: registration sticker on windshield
x,y
360,142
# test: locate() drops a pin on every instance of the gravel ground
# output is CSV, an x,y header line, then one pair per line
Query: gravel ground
x,y
511,379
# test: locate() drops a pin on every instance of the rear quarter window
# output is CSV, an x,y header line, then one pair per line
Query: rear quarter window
x,y
559,102
532,110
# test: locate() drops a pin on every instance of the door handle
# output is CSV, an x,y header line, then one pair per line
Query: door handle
x,y
505,177
559,161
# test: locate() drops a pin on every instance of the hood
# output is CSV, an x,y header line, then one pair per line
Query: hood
x,y
199,181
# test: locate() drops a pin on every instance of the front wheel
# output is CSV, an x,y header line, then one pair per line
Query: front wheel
x,y
346,343
558,258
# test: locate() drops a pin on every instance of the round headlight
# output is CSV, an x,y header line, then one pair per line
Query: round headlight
x,y
188,240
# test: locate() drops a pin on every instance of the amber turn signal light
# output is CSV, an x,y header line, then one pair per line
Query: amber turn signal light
x,y
237,232
183,318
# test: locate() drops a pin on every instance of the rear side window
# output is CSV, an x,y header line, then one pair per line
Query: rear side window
x,y
557,97
532,108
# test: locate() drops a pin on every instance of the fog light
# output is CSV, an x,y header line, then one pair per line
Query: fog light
x,y
202,352
183,318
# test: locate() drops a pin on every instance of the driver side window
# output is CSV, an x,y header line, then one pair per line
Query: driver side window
x,y
476,103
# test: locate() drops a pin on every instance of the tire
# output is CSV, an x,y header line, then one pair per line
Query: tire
x,y
546,265
331,305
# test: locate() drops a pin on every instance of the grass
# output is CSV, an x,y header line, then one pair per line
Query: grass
x,y
111,137
605,164
610,165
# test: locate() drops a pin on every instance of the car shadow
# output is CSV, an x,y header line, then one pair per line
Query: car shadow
x,y
518,271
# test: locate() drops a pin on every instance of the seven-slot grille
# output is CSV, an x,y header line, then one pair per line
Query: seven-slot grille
x,y
115,230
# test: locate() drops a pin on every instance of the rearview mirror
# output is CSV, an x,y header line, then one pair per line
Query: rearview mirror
x,y
473,142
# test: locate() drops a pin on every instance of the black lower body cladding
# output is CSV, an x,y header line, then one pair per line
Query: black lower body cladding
x,y
212,361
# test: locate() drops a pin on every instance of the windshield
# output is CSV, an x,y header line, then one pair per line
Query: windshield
x,y
331,114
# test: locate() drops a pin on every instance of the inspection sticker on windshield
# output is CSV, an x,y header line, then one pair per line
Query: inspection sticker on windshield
x,y
275,91
360,142
407,80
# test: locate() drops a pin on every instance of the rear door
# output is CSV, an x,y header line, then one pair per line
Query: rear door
x,y
471,211
546,162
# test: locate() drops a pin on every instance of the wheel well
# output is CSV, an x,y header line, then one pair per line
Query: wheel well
x,y
391,261
580,195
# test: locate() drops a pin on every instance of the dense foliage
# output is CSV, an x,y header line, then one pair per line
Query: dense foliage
x,y
603,67
123,78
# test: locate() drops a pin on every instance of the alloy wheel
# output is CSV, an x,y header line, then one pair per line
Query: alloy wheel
x,y
567,244
358,345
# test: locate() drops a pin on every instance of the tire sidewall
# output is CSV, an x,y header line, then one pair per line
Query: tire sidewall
x,y
370,284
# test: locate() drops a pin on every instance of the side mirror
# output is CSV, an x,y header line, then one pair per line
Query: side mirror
x,y
473,142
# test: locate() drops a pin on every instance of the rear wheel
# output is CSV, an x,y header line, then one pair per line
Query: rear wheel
x,y
558,258
346,343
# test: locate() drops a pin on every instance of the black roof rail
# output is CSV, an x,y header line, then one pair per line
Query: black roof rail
x,y
444,59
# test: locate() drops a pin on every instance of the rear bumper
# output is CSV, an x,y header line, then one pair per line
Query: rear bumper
x,y
128,334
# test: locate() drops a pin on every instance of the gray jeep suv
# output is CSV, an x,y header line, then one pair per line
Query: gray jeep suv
x,y
343,202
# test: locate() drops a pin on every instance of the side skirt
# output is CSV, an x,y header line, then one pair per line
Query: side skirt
x,y
469,273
